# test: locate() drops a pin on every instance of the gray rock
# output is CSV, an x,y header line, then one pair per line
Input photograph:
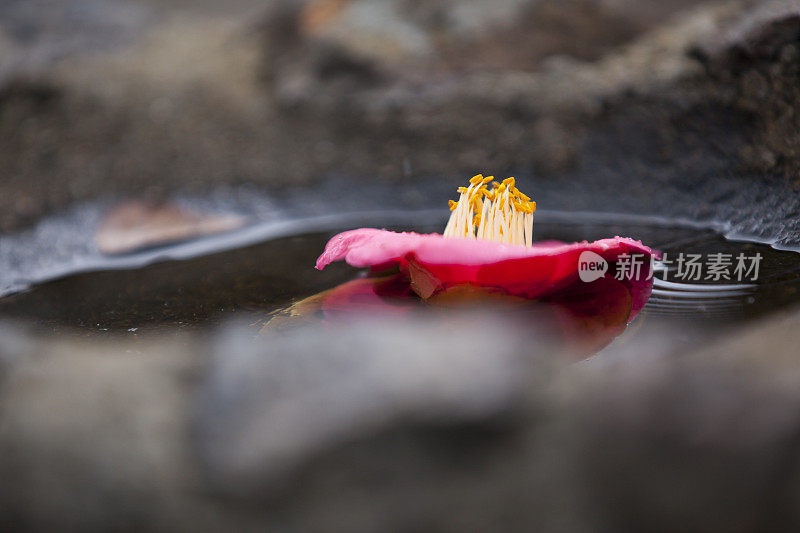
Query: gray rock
x,y
688,446
275,405
217,100
93,436
401,425
39,33
369,429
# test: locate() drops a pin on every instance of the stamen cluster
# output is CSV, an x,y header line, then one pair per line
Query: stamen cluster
x,y
500,213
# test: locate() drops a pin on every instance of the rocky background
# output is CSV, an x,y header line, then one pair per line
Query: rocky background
x,y
681,109
687,105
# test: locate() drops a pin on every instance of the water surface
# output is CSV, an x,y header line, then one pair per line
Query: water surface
x,y
248,281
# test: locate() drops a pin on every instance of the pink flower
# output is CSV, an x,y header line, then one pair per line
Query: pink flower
x,y
487,254
487,249
434,263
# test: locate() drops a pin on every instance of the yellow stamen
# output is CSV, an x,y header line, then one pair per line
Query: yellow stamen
x,y
501,213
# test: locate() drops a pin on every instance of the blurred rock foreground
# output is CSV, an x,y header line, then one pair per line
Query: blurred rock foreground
x,y
671,108
402,427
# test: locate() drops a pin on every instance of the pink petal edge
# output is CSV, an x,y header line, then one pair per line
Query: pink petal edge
x,y
367,247
536,272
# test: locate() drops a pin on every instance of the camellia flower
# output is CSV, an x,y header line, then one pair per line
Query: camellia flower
x,y
485,255
488,244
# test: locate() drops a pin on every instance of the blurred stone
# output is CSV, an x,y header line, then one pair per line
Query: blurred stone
x,y
326,387
722,417
370,429
756,58
375,30
392,425
46,31
99,429
135,225
197,98
452,36
691,446
761,35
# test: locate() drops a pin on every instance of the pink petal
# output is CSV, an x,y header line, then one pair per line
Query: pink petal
x,y
435,263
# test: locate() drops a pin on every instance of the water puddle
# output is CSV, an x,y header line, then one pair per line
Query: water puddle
x,y
248,278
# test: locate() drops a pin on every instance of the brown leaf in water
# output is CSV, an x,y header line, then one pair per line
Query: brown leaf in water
x,y
134,225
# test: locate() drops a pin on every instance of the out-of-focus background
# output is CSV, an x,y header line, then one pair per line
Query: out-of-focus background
x,y
127,124
112,99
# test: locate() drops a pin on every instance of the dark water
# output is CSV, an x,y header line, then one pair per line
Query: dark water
x,y
249,282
